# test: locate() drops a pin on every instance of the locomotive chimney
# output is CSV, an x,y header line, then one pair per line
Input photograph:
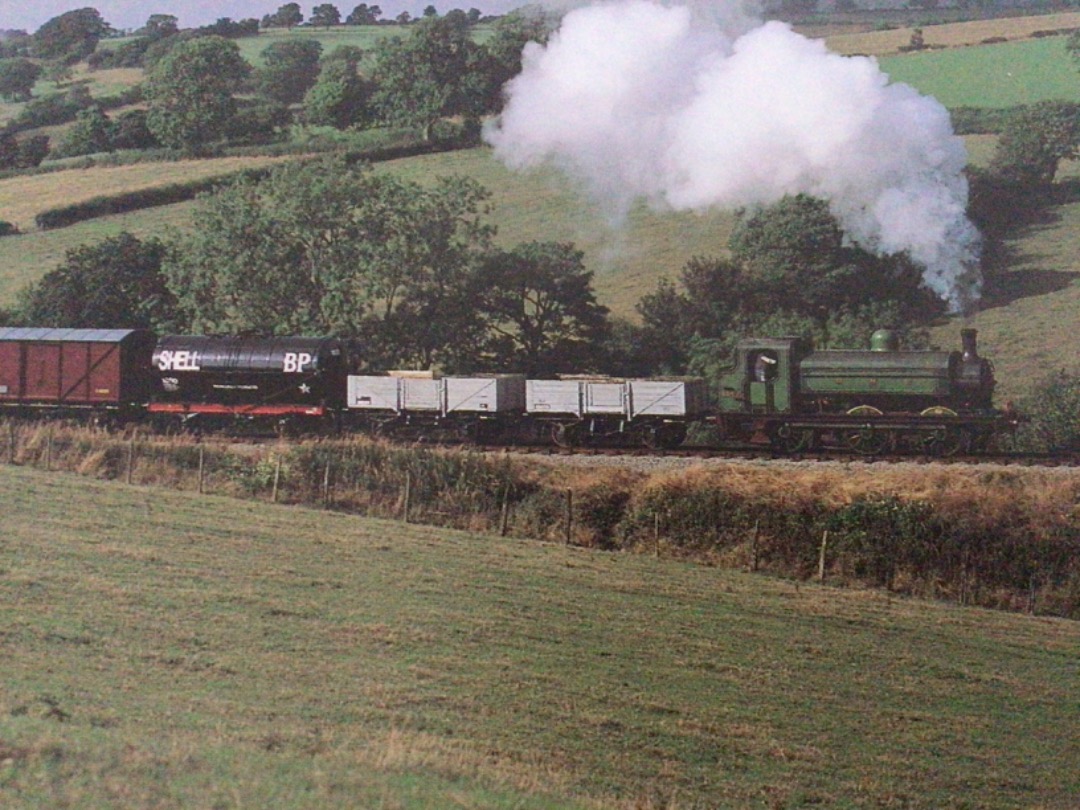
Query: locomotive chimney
x,y
970,344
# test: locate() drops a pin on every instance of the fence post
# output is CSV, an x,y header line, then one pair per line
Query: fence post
x,y
821,556
569,515
408,496
504,519
753,548
11,441
48,450
202,467
277,482
130,459
656,534
326,486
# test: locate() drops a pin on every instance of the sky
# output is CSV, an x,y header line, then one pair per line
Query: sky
x,y
29,15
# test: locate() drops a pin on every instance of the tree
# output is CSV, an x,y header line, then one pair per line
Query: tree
x,y
538,305
91,133
325,15
290,68
288,15
703,306
24,154
17,78
798,259
190,92
329,248
512,33
340,95
430,75
430,11
159,26
72,36
364,14
116,283
404,18
1035,140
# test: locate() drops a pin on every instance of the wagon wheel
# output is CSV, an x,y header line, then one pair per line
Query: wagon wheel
x,y
867,440
944,441
788,439
566,434
665,436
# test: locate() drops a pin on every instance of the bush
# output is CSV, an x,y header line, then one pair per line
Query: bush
x,y
1054,408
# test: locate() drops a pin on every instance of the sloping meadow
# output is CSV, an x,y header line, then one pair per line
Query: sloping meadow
x,y
975,534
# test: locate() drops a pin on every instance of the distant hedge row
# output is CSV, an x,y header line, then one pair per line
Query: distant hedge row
x,y
107,205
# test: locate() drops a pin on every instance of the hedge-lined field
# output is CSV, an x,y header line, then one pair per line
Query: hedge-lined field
x,y
165,649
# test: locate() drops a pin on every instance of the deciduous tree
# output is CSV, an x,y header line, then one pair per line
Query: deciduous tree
x,y
17,78
71,36
540,310
434,73
116,283
1035,141
190,91
325,15
329,248
290,69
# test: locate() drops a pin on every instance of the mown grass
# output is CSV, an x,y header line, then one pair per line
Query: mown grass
x,y
170,650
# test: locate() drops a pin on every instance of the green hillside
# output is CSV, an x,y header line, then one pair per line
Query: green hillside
x,y
998,75
170,650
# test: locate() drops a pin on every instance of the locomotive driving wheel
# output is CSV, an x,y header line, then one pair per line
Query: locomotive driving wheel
x,y
947,440
868,439
788,439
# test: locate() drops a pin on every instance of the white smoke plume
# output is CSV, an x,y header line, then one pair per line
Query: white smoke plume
x,y
690,110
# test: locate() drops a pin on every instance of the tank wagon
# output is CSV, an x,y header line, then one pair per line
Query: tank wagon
x,y
798,399
216,379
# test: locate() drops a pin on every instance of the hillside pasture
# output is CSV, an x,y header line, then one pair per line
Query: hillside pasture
x,y
173,650
951,35
23,197
25,258
994,76
628,256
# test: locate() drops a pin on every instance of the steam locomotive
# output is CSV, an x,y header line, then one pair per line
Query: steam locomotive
x,y
780,392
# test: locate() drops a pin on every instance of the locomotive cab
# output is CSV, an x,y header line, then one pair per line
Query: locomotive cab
x,y
765,377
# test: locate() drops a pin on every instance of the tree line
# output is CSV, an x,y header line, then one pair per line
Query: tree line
x,y
200,93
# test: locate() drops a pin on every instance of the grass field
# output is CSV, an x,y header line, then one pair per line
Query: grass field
x,y
951,35
992,75
169,650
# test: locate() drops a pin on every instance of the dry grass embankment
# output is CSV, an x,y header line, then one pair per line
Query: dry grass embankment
x,y
999,537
